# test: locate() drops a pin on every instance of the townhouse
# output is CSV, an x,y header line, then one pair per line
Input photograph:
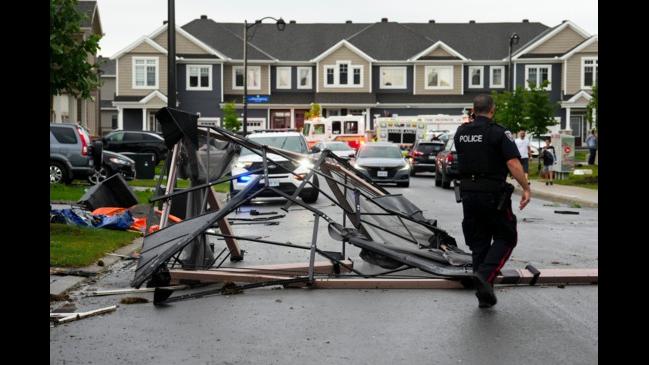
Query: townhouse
x,y
370,69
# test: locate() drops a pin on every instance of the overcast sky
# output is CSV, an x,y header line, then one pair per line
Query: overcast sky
x,y
124,21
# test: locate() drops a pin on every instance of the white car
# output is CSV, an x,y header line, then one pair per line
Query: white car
x,y
279,171
340,149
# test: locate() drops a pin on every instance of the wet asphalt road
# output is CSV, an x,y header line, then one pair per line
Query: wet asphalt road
x,y
531,325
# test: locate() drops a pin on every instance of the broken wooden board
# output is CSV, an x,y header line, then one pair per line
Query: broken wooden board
x,y
376,283
549,276
69,317
132,290
213,276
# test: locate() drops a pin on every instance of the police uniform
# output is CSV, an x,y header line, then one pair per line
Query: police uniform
x,y
483,149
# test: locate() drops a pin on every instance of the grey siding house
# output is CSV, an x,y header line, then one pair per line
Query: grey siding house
x,y
370,69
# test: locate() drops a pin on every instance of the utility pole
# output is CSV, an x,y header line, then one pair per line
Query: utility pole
x,y
245,78
171,56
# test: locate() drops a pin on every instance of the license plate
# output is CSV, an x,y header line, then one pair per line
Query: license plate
x,y
431,157
273,182
382,173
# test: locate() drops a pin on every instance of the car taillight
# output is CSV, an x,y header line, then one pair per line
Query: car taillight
x,y
353,144
84,142
417,153
449,158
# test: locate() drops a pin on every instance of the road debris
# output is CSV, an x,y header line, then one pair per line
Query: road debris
x,y
69,317
133,300
565,212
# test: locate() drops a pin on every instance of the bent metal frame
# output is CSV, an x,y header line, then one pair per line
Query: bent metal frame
x,y
390,230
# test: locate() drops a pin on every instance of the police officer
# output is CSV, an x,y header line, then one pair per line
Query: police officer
x,y
486,153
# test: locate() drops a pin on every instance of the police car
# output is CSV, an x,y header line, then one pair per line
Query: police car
x,y
279,170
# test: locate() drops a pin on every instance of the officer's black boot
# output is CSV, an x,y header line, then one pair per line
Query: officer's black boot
x,y
484,292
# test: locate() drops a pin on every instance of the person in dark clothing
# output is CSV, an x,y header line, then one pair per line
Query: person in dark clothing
x,y
591,142
486,154
549,156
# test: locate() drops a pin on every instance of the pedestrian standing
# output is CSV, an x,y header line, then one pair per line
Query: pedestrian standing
x,y
486,153
525,151
549,156
591,142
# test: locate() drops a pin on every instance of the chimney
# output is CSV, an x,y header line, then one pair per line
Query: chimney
x,y
384,20
291,21
471,21
526,20
348,21
164,22
563,21
203,16
431,21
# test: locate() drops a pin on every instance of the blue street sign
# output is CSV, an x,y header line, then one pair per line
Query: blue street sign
x,y
257,99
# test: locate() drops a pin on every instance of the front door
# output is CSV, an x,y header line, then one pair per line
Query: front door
x,y
299,119
578,128
280,119
153,125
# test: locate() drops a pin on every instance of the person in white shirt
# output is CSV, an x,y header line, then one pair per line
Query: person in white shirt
x,y
525,151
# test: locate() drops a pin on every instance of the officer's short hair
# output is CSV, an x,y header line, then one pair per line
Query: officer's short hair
x,y
482,104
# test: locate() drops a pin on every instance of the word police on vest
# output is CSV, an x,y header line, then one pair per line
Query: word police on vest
x,y
472,138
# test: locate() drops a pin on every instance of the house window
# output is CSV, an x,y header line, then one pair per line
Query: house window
x,y
589,71
283,78
199,77
537,74
393,78
145,72
304,78
497,76
439,77
330,75
476,76
254,77
342,73
339,75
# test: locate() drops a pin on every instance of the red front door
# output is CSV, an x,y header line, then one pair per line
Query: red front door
x,y
299,119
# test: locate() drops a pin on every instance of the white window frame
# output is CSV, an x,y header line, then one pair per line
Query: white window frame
x,y
538,75
290,79
234,77
350,75
309,78
481,84
583,71
428,69
157,73
491,77
209,77
393,68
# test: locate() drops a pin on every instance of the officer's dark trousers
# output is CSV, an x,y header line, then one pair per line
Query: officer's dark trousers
x,y
484,222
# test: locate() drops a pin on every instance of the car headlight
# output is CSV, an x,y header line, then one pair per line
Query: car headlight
x,y
242,164
405,167
359,167
118,161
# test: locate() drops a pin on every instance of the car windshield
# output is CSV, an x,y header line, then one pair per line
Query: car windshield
x,y
291,143
380,152
429,147
337,146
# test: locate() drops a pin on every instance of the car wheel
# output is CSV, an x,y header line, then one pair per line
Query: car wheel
x,y
311,196
438,178
446,184
58,173
99,176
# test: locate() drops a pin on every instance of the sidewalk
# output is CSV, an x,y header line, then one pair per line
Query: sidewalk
x,y
561,193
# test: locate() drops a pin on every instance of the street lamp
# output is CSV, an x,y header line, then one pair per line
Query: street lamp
x,y
512,41
281,24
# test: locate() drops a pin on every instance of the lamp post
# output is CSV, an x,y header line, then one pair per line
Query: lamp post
x,y
512,41
281,24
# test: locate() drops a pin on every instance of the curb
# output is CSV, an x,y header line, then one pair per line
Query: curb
x,y
63,284
557,198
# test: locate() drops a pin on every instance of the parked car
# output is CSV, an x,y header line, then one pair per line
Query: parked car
x,y
70,156
113,163
136,141
279,172
340,149
383,163
446,168
422,156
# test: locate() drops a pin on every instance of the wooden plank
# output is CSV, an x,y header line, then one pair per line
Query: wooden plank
x,y
550,276
373,283
213,276
226,229
74,316
133,290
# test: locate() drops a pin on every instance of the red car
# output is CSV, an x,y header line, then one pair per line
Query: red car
x,y
446,168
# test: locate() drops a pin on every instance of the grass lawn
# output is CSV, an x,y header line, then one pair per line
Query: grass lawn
x,y
73,192
582,181
72,246
150,183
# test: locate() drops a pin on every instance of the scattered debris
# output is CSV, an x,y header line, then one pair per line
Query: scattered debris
x,y
74,272
532,219
69,317
559,263
59,297
256,212
562,286
278,300
575,205
230,288
101,263
565,212
133,300
551,205
131,290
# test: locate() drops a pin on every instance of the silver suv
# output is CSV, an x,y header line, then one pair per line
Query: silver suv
x,y
70,156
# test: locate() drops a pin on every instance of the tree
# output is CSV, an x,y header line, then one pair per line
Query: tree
x,y
314,112
70,71
230,119
539,110
592,106
510,108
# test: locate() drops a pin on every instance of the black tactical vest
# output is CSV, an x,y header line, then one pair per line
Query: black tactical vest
x,y
476,156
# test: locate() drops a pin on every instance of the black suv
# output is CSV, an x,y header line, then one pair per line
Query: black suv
x,y
136,141
422,156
